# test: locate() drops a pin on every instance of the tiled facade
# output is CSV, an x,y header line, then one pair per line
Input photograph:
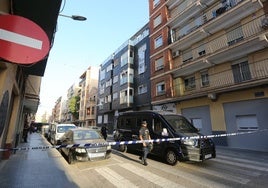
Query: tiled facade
x,y
124,79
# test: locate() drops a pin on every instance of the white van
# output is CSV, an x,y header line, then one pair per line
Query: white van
x,y
58,130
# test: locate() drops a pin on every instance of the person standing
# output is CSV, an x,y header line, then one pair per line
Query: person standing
x,y
144,135
104,132
25,131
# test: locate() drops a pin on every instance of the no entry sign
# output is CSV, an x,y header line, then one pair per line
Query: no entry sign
x,y
21,40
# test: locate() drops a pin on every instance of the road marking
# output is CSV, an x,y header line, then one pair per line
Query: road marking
x,y
217,174
20,39
114,178
188,176
158,180
239,160
242,165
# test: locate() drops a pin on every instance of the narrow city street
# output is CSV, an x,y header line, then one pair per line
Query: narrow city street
x,y
47,168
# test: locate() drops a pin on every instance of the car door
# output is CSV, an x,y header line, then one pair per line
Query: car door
x,y
159,131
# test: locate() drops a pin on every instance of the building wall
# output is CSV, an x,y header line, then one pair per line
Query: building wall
x,y
216,105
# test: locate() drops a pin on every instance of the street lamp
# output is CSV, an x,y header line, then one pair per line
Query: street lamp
x,y
75,17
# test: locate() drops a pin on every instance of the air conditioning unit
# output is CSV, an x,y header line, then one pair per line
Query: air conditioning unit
x,y
212,96
176,54
264,23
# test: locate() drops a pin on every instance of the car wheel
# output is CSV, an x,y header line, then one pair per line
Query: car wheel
x,y
171,157
70,158
122,148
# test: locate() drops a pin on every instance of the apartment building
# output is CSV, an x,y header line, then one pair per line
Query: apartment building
x,y
124,79
73,91
209,61
88,97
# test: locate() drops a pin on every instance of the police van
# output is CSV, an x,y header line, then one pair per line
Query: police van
x,y
169,126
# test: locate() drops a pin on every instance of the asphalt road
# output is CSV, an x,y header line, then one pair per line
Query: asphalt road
x,y
231,168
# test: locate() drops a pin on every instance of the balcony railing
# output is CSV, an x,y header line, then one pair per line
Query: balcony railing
x,y
211,22
245,76
238,42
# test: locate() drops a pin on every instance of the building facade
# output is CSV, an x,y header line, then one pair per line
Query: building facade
x,y
209,62
124,79
20,84
88,97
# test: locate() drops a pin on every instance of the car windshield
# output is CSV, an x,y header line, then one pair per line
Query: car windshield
x,y
86,135
64,128
180,124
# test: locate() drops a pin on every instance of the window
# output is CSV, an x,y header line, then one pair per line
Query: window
x,y
123,77
189,83
124,59
88,111
158,42
201,50
102,86
187,56
157,20
108,98
116,62
102,74
241,72
142,89
109,83
157,126
115,80
156,2
109,68
204,79
141,59
234,35
126,96
127,76
159,64
115,96
160,88
246,122
93,110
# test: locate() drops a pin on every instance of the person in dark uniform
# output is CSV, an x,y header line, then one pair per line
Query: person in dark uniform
x,y
25,131
144,134
104,132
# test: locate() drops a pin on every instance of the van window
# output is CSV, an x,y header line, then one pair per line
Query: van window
x,y
157,126
180,124
127,123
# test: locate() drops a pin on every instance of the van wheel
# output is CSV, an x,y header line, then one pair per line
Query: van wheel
x,y
70,158
171,157
122,148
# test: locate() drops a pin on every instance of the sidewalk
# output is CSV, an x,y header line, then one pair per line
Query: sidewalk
x,y
35,167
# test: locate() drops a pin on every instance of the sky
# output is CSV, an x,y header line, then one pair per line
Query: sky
x,y
81,44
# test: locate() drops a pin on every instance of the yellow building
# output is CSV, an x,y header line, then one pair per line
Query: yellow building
x,y
209,61
20,84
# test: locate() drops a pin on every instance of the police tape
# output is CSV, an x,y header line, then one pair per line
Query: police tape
x,y
112,143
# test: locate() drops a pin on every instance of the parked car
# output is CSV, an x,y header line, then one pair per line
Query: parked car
x,y
57,130
165,125
82,136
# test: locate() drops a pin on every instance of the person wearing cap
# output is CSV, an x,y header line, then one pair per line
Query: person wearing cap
x,y
144,135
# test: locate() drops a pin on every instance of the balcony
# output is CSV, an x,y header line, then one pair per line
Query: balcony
x,y
214,24
184,12
255,74
239,42
234,15
32,91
